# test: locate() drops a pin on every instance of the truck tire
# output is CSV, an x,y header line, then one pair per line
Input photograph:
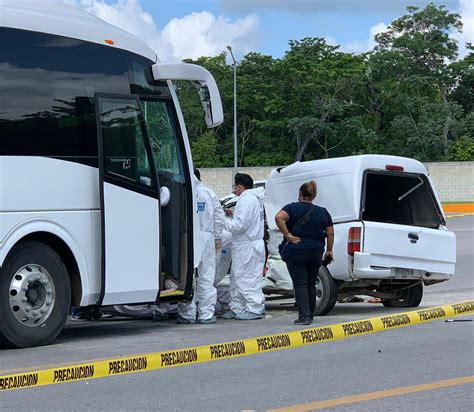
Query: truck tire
x,y
35,296
408,298
326,292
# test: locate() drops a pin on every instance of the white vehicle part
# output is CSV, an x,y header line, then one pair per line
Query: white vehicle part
x,y
339,182
73,228
55,17
389,246
47,189
132,246
202,80
277,277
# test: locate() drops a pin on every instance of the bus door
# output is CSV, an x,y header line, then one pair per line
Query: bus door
x,y
129,203
173,174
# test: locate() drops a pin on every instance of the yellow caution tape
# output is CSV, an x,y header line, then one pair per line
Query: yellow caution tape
x,y
245,347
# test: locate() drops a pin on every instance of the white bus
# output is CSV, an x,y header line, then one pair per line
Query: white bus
x,y
96,195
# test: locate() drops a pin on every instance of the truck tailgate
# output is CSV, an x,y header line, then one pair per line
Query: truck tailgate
x,y
410,247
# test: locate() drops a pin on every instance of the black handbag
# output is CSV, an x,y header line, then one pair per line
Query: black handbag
x,y
300,222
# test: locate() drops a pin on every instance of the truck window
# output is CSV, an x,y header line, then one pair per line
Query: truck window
x,y
400,198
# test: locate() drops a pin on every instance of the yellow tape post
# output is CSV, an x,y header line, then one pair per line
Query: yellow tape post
x,y
245,347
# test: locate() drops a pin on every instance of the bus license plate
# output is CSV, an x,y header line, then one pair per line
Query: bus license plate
x,y
404,273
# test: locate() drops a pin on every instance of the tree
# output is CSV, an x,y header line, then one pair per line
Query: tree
x,y
463,72
204,150
259,101
321,90
409,96
422,37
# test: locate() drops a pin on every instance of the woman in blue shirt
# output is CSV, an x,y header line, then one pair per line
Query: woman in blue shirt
x,y
305,228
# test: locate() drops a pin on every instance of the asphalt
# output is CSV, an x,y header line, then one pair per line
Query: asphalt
x,y
415,355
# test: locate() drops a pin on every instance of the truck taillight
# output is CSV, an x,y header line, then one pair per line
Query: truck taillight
x,y
353,241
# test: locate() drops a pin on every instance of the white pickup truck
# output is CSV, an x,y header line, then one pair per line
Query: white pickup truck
x,y
391,236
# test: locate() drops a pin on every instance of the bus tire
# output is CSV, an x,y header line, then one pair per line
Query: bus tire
x,y
408,298
326,292
35,296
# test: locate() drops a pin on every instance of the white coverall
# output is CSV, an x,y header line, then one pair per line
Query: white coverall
x,y
248,254
211,223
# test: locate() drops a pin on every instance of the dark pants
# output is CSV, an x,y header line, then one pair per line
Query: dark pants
x,y
303,270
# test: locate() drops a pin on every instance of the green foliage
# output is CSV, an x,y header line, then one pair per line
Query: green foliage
x,y
204,150
462,150
409,96
463,74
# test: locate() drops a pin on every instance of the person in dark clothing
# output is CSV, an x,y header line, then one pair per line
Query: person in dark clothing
x,y
308,230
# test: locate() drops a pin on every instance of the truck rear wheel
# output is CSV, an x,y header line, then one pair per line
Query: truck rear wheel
x,y
408,298
326,292
35,296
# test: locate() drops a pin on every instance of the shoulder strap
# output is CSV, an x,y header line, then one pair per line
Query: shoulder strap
x,y
303,219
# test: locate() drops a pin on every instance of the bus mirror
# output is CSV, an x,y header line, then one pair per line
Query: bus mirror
x,y
204,83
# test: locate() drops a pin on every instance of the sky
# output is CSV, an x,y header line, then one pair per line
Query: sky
x,y
179,29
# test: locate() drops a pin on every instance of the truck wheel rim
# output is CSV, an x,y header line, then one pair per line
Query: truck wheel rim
x,y
32,295
319,290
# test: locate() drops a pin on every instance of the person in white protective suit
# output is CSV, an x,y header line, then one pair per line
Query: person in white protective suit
x,y
211,222
248,252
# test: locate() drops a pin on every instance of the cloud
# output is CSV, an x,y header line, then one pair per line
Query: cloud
x,y
194,35
365,45
467,16
466,10
349,6
202,34
331,41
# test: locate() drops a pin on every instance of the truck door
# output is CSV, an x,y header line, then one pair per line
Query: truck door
x,y
130,208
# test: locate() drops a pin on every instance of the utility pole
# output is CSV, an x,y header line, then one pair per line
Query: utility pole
x,y
236,168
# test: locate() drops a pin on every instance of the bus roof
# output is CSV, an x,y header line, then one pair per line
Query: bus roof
x,y
55,17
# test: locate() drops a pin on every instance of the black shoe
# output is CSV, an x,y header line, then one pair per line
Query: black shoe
x,y
303,321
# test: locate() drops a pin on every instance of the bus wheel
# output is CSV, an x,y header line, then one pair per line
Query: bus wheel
x,y
35,296
407,298
326,292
